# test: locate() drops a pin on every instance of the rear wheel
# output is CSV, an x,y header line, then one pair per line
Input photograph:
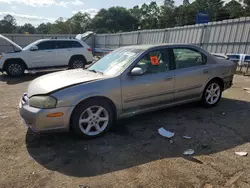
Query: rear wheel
x,y
92,118
212,93
15,68
77,62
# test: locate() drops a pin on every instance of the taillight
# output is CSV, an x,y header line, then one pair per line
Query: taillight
x,y
90,49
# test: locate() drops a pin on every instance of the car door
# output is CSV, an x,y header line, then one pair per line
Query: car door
x,y
62,52
44,56
154,87
191,72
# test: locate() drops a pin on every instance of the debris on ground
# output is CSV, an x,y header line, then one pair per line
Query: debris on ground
x,y
247,90
188,152
241,153
171,141
187,137
223,113
204,146
163,132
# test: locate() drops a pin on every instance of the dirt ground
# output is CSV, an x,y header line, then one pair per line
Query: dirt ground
x,y
133,154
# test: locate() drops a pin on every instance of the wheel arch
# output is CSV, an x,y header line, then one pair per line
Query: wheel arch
x,y
219,80
77,56
109,101
14,59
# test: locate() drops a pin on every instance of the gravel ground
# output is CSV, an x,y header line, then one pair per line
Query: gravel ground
x,y
133,154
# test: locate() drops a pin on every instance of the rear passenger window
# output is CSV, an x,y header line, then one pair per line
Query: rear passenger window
x,y
186,57
58,44
75,44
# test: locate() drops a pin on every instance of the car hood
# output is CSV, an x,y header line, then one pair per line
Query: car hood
x,y
59,80
11,42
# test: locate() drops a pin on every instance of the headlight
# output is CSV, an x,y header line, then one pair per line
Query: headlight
x,y
43,102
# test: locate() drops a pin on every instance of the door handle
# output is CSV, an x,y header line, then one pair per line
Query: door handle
x,y
205,71
168,78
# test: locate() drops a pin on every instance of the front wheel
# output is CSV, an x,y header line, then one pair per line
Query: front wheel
x,y
212,94
15,69
92,118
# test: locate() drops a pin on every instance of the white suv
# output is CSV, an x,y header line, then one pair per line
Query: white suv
x,y
46,54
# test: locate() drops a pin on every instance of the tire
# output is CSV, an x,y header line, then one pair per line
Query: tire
x,y
15,68
212,94
77,62
92,125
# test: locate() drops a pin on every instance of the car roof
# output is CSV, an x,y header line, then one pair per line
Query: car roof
x,y
151,46
42,40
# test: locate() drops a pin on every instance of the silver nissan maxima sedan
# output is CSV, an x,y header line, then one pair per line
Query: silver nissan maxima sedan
x,y
129,81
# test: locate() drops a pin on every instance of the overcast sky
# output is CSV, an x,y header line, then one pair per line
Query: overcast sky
x,y
38,11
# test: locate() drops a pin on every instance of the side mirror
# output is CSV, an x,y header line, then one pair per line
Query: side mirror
x,y
33,48
137,71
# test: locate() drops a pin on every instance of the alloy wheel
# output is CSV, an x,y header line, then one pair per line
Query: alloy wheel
x,y
94,120
77,64
213,93
15,69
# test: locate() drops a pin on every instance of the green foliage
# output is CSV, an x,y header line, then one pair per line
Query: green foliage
x,y
146,16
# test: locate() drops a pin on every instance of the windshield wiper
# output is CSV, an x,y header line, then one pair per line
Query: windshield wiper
x,y
92,71
95,71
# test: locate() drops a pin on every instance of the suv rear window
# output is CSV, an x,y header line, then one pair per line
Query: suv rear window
x,y
76,44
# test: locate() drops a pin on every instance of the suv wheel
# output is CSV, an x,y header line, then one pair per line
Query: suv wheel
x,y
15,68
212,94
92,118
77,62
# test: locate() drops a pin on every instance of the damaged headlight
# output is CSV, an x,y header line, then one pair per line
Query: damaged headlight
x,y
44,102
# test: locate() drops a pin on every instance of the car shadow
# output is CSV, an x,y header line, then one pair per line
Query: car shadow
x,y
16,80
136,141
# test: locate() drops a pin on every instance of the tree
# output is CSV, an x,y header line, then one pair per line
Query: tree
x,y
61,27
185,15
79,23
186,2
234,9
26,28
114,19
167,18
44,28
146,16
8,24
247,7
149,17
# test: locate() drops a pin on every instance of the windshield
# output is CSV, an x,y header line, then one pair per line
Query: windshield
x,y
29,46
117,61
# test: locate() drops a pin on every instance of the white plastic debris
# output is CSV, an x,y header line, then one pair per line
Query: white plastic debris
x,y
241,153
171,141
188,152
163,132
187,137
223,113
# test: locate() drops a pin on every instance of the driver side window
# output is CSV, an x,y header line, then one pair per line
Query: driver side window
x,y
155,62
47,45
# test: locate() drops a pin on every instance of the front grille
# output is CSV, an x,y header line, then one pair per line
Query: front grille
x,y
25,98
